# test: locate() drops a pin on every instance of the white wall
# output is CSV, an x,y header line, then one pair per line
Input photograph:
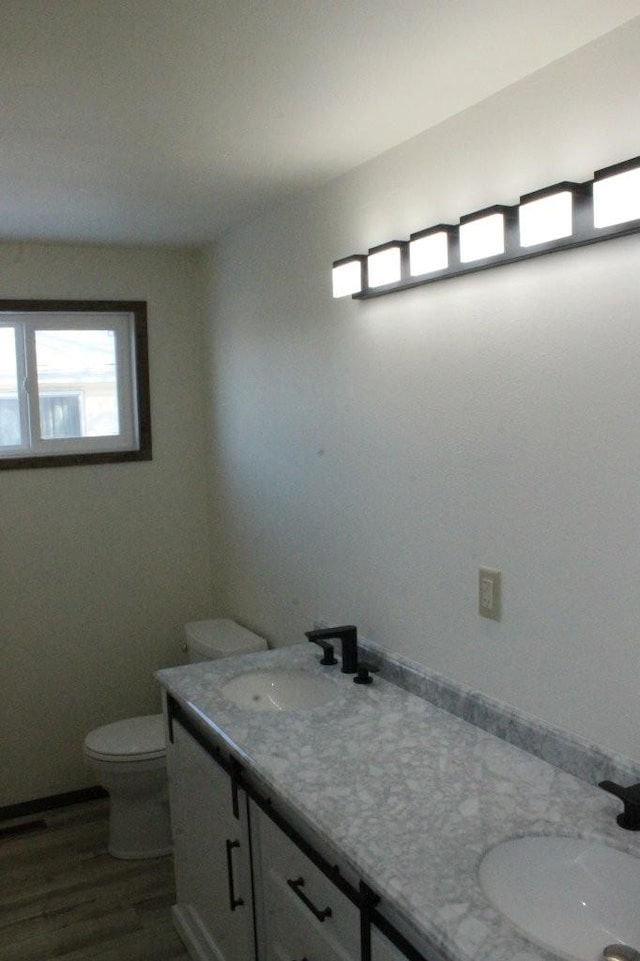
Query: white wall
x,y
369,456
100,566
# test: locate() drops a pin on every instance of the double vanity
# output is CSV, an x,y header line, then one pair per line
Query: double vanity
x,y
319,819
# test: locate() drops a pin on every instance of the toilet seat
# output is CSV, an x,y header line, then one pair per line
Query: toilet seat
x,y
128,741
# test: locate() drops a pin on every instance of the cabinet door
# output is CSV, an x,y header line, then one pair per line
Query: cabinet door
x,y
214,912
301,913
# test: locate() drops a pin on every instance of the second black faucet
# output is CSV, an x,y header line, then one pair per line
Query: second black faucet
x,y
348,635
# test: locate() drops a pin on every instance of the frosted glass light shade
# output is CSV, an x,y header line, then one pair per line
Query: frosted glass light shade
x,y
481,237
429,253
547,218
347,277
384,265
616,199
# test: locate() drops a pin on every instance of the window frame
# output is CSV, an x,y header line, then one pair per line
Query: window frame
x,y
134,363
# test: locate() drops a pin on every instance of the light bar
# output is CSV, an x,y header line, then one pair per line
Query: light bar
x,y
560,217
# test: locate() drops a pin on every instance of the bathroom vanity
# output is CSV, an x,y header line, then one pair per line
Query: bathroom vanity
x,y
355,828
273,894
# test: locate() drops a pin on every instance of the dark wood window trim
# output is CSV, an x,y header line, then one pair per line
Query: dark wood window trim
x,y
143,451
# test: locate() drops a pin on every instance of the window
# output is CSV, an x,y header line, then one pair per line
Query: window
x,y
74,383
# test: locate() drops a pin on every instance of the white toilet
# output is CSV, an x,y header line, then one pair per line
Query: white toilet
x,y
129,756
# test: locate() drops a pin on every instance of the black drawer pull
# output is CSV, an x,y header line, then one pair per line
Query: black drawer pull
x,y
295,887
234,902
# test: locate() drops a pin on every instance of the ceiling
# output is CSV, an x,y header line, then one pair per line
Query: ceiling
x,y
168,121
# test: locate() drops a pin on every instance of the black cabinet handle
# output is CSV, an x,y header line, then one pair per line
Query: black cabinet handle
x,y
234,902
296,888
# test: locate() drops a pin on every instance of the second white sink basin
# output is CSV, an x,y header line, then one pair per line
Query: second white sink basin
x,y
280,690
570,895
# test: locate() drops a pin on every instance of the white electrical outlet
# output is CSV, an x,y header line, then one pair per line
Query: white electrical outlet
x,y
490,593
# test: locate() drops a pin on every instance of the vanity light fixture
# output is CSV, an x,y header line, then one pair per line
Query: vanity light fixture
x,y
559,217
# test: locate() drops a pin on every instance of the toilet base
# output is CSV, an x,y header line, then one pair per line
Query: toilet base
x,y
139,820
139,828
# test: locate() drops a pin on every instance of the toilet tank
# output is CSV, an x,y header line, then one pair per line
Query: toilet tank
x,y
219,637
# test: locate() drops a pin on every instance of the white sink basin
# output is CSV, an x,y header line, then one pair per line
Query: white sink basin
x,y
280,690
570,895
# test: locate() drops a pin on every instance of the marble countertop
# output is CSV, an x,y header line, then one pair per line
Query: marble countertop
x,y
409,796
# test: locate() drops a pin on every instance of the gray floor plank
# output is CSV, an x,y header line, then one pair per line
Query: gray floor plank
x,y
63,897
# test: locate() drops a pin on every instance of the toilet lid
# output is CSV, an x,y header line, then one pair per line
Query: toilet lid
x,y
135,738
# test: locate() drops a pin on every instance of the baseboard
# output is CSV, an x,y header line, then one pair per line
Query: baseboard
x,y
27,808
22,828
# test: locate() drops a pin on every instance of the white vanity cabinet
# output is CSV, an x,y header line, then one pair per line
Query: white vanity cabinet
x,y
214,909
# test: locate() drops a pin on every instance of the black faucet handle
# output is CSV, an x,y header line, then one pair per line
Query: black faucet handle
x,y
347,634
364,673
630,797
328,657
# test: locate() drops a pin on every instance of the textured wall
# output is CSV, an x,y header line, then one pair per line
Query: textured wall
x,y
369,457
101,565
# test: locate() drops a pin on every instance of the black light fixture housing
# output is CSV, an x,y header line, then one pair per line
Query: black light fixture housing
x,y
600,209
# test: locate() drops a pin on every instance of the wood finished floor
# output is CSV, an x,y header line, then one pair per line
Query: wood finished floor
x,y
62,896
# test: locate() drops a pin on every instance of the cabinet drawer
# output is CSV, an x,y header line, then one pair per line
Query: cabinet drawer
x,y
305,914
294,937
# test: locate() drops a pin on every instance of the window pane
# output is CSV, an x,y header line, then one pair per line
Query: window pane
x,y
9,410
77,383
60,415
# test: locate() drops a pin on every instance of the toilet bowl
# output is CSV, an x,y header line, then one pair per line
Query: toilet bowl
x,y
129,761
128,757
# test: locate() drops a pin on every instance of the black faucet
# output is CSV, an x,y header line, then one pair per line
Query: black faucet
x,y
348,635
630,797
